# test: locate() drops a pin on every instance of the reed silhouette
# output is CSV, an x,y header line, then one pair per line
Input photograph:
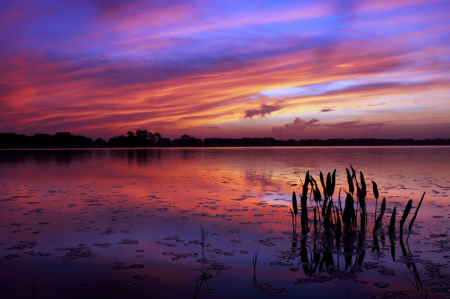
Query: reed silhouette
x,y
339,229
332,213
33,294
255,260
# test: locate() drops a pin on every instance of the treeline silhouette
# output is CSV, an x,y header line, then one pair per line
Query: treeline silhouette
x,y
266,141
140,138
143,138
59,140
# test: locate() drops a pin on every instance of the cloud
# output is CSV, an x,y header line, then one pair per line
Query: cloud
x,y
295,126
211,127
328,109
265,109
176,65
368,5
353,124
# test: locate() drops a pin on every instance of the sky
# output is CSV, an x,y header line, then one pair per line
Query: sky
x,y
282,69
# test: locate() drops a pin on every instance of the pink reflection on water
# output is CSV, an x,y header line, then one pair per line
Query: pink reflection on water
x,y
144,207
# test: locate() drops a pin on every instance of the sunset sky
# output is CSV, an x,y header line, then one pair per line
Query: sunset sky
x,y
282,69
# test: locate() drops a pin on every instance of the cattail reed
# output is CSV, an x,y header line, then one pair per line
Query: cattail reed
x,y
351,187
405,215
414,217
375,194
304,203
342,218
380,217
392,224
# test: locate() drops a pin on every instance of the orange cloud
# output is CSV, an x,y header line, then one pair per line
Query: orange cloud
x,y
174,68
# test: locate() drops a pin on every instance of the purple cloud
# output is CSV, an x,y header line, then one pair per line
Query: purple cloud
x,y
297,125
327,109
356,124
376,104
265,109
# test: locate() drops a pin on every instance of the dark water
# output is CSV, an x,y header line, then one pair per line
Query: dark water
x,y
126,223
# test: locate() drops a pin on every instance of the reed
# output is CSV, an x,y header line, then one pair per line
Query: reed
x,y
343,218
203,278
351,187
203,232
294,203
304,203
255,260
315,221
392,224
349,216
295,212
33,295
379,221
405,215
195,290
375,194
414,217
323,184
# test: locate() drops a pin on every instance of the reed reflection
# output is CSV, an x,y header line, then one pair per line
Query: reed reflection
x,y
292,234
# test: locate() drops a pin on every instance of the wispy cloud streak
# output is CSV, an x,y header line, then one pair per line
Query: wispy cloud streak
x,y
105,66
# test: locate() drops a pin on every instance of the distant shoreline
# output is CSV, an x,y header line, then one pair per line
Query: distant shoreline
x,y
208,147
145,139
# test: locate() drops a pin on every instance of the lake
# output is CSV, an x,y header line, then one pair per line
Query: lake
x,y
216,223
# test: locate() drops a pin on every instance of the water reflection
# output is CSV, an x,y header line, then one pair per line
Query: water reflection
x,y
126,223
42,157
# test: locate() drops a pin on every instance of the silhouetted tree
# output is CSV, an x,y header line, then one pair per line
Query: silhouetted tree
x,y
145,135
164,142
99,142
186,140
156,138
145,138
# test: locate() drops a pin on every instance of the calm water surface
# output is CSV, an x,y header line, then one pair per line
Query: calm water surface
x,y
126,223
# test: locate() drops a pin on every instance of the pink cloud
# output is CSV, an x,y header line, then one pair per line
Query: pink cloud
x,y
295,126
355,124
177,65
387,4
